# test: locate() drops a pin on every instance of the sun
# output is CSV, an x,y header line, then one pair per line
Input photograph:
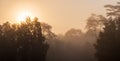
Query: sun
x,y
23,15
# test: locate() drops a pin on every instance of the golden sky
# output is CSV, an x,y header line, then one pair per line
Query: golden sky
x,y
61,14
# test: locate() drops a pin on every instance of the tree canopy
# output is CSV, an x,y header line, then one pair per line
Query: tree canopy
x,y
107,46
22,42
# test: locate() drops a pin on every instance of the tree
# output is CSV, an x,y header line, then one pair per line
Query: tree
x,y
46,30
22,42
95,21
95,24
7,43
73,33
107,46
113,10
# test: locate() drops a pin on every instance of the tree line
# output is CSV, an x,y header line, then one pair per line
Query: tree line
x,y
30,40
22,42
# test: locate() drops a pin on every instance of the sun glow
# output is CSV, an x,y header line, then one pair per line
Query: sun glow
x,y
22,16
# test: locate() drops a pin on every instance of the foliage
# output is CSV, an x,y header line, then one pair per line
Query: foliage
x,y
46,30
22,42
107,45
73,33
95,22
113,10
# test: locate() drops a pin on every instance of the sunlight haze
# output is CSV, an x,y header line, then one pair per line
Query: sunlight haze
x,y
62,15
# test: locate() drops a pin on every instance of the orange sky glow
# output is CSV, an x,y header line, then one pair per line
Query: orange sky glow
x,y
62,15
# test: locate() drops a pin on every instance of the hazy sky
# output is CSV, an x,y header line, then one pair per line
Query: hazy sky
x,y
61,14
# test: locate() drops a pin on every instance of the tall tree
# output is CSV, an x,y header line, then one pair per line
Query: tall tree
x,y
22,42
46,30
113,10
95,24
107,46
7,43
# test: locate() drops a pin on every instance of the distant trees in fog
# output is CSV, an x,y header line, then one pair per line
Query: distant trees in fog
x,y
101,40
95,22
34,41
74,45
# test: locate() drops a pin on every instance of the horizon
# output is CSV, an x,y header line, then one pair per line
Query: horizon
x,y
59,30
60,14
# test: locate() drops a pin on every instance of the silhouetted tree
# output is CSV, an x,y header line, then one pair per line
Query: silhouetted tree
x,y
46,30
108,42
7,43
95,22
113,10
22,42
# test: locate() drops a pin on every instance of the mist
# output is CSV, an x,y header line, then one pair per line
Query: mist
x,y
73,46
62,30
